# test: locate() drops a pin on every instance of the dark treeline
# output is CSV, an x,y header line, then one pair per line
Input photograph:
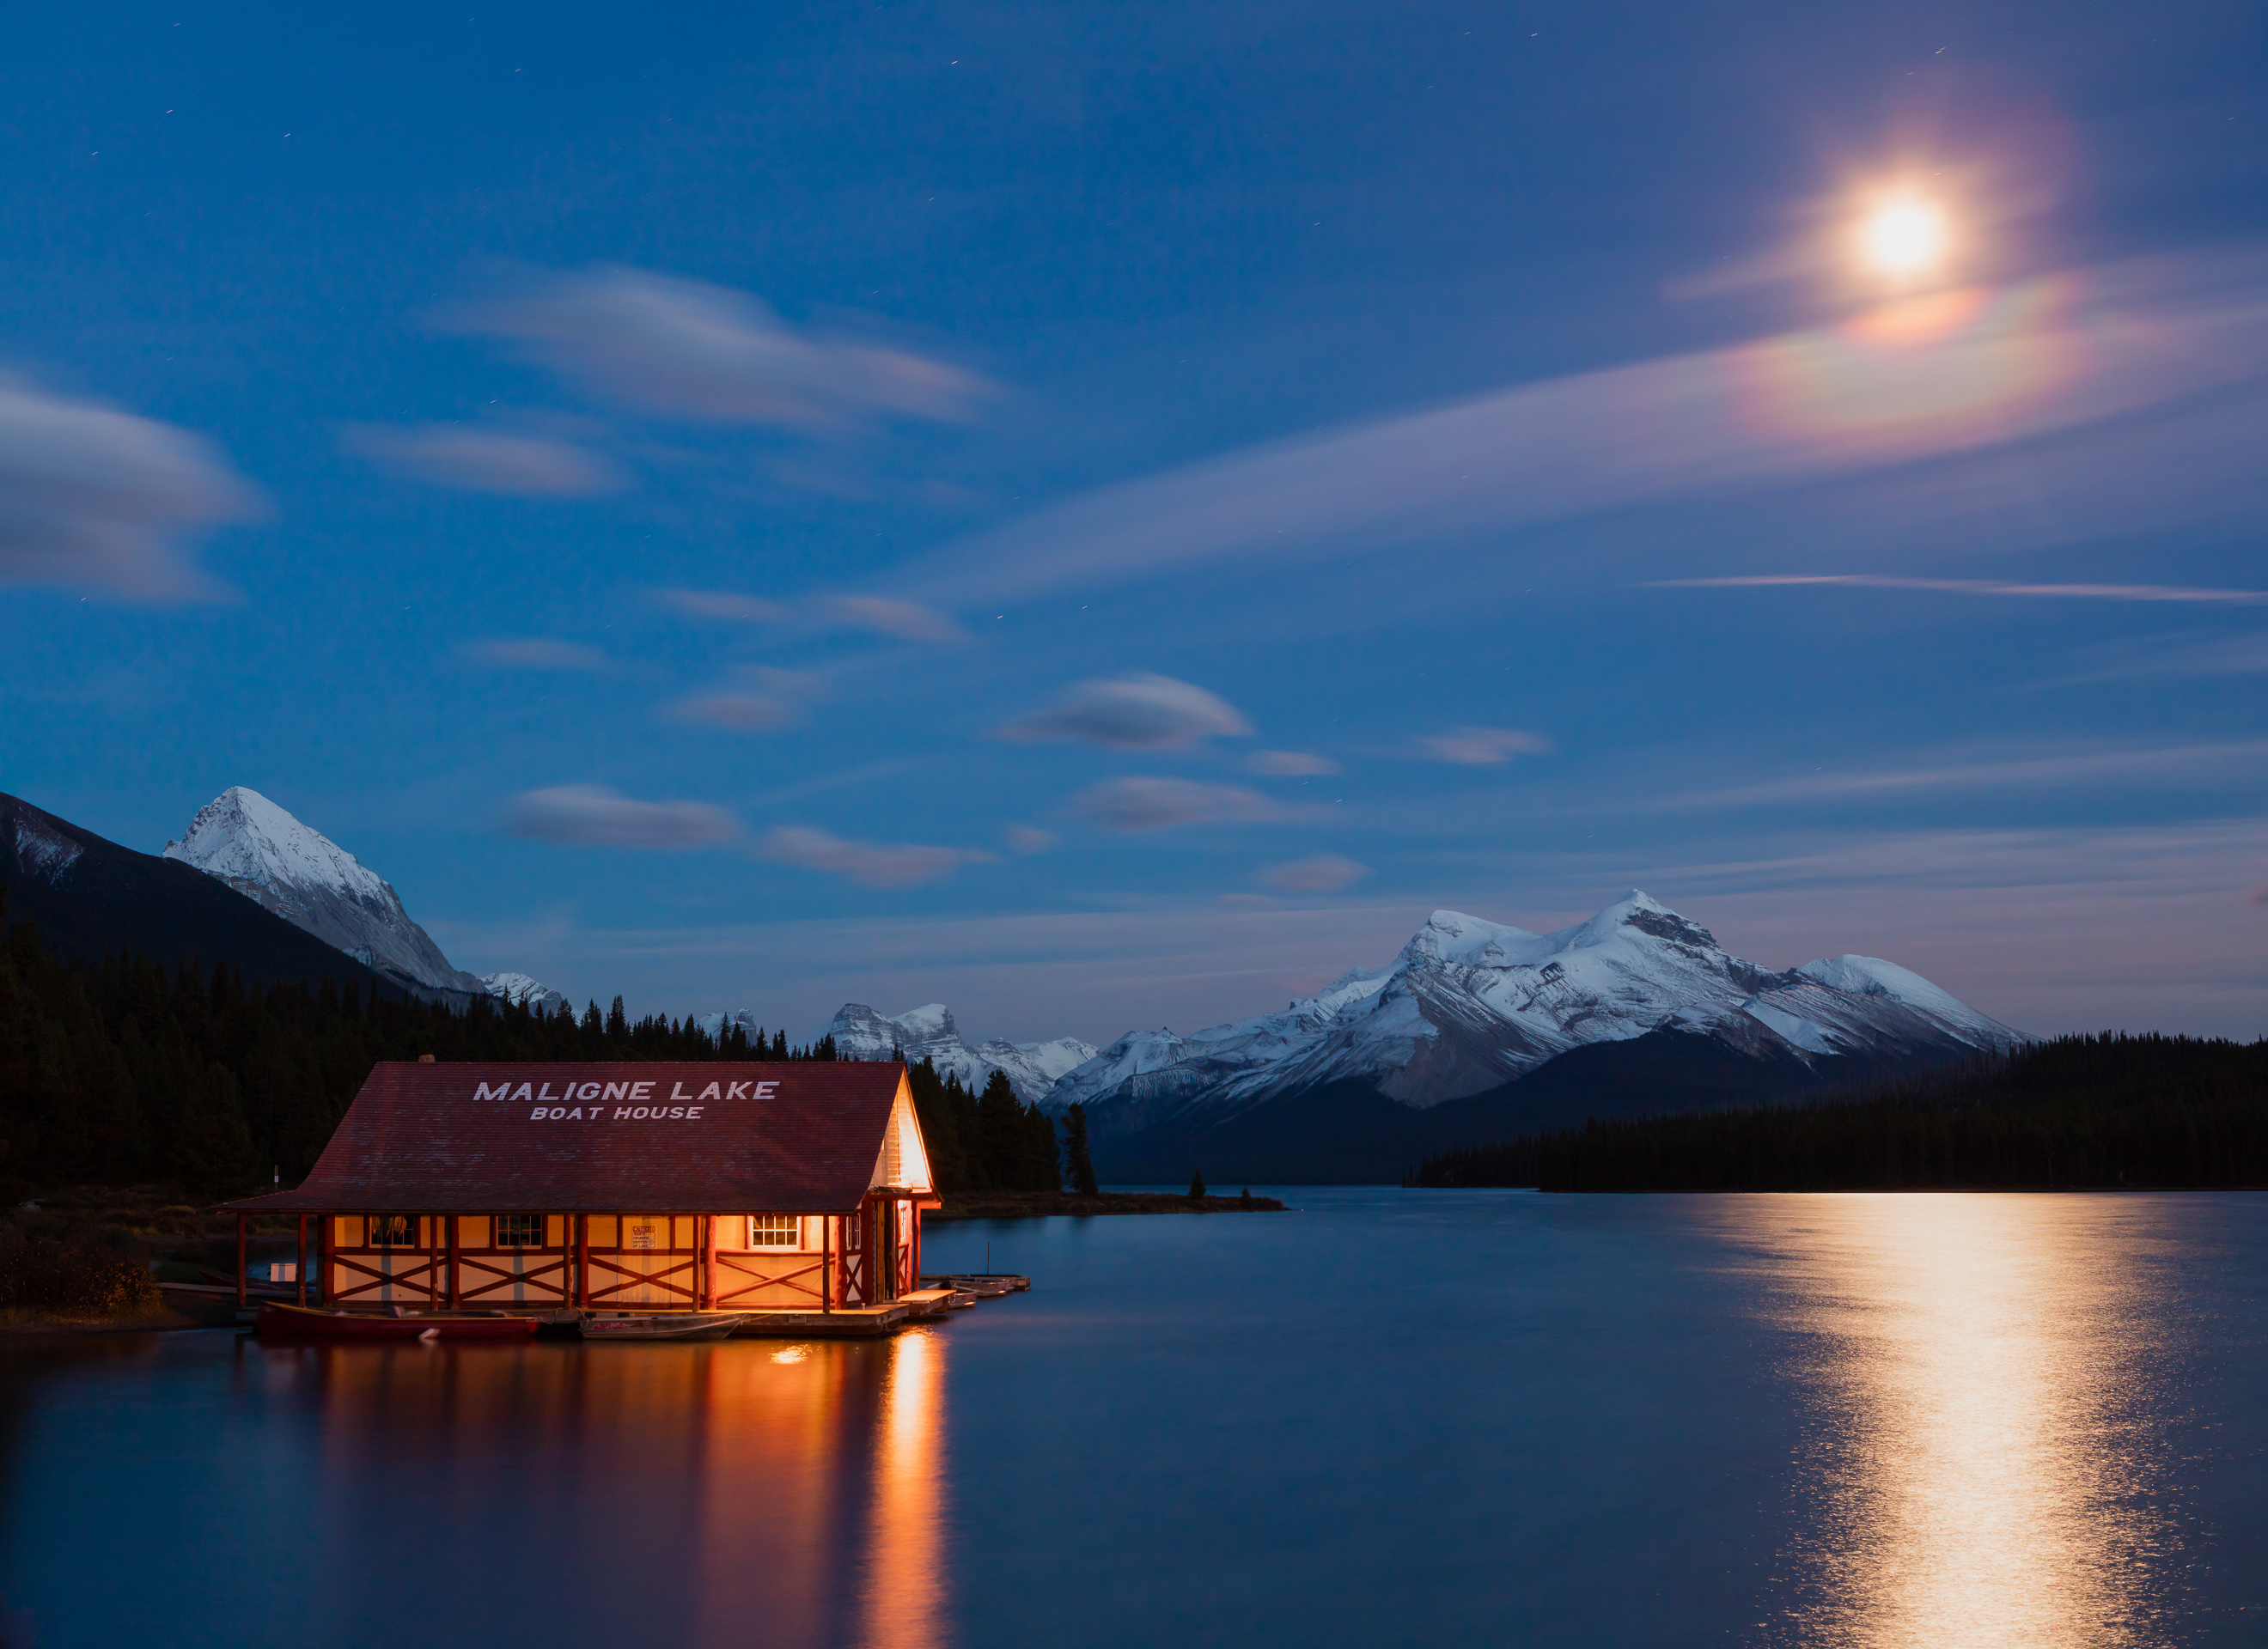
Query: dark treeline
x,y
119,1072
990,1141
2081,1112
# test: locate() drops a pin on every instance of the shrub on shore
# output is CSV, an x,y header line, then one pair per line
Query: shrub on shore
x,y
70,1279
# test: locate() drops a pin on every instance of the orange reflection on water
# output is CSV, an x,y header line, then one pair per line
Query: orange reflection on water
x,y
904,1585
1974,1441
726,1494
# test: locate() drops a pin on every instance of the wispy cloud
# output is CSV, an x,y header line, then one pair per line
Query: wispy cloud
x,y
2216,763
486,460
2234,655
1290,764
736,712
534,652
101,499
907,621
1028,839
1483,747
1324,873
1929,378
593,815
1134,712
727,606
1975,587
869,864
758,699
1159,804
880,616
693,350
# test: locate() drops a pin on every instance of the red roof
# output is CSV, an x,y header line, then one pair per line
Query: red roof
x,y
602,1137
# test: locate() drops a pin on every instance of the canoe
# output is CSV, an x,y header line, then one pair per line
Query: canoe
x,y
299,1322
666,1325
984,1285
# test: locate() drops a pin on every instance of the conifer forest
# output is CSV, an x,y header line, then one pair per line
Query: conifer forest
x,y
120,1071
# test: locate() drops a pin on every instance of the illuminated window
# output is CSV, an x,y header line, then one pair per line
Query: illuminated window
x,y
520,1231
393,1231
774,1231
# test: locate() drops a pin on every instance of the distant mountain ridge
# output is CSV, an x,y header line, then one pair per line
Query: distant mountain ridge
x,y
1472,1015
929,1033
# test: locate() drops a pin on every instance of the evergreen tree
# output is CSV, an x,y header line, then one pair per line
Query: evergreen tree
x,y
1196,1185
1078,1167
215,1150
1001,1136
1042,1159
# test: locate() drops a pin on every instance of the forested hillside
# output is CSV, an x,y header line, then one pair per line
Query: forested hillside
x,y
120,1071
2081,1112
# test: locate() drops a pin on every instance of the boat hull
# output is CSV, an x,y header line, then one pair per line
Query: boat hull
x,y
664,1326
294,1322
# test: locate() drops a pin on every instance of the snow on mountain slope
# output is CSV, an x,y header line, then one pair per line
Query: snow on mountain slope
x,y
929,1033
245,840
521,990
1470,1005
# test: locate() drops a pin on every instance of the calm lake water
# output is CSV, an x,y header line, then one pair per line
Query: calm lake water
x,y
1390,1417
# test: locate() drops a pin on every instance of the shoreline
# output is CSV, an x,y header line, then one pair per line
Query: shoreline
x,y
18,1325
1047,1205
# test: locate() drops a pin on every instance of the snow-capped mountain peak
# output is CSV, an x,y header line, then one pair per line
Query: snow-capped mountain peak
x,y
242,838
246,840
1470,1005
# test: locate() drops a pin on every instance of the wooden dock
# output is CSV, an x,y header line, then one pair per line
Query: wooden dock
x,y
937,1297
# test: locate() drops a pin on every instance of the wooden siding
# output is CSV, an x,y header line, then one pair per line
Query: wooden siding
x,y
627,1261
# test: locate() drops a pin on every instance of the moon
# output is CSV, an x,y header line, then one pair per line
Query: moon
x,y
1905,237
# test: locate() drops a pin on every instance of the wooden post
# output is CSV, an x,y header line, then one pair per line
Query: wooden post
x,y
452,1263
582,1261
708,1266
432,1261
300,1270
826,1263
323,1259
240,1263
914,1212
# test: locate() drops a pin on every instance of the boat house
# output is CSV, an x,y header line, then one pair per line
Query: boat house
x,y
787,1188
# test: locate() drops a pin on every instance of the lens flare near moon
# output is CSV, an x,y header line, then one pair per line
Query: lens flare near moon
x,y
1905,237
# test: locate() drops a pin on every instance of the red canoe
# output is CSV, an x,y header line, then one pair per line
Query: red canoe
x,y
300,1323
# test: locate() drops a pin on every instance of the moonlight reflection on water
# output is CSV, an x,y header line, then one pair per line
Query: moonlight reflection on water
x,y
1976,1387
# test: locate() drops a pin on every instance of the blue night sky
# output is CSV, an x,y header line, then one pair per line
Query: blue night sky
x,y
1106,516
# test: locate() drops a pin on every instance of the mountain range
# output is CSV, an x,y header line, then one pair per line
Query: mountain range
x,y
1474,1031
1477,1031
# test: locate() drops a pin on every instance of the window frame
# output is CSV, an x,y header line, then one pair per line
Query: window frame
x,y
763,1226
378,1231
521,1222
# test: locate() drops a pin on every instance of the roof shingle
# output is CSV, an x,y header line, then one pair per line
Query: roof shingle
x,y
603,1136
